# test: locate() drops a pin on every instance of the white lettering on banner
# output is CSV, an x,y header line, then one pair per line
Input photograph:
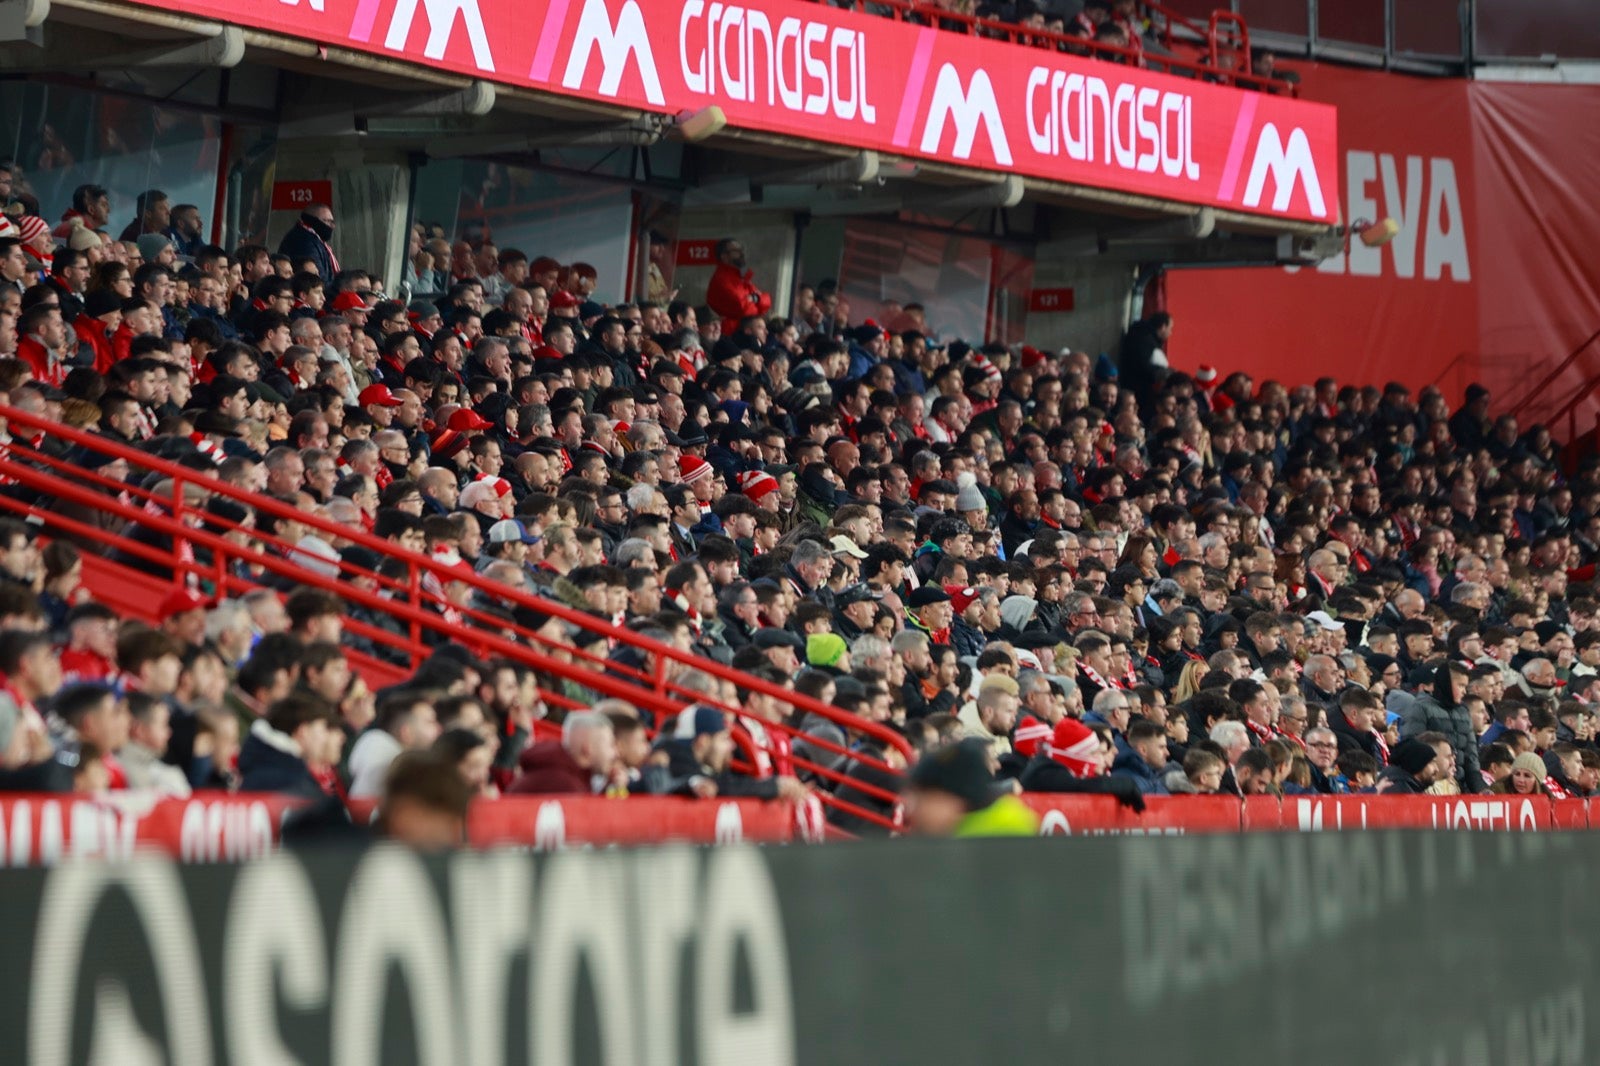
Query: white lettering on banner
x,y
316,5
1489,814
224,832
491,894
966,107
391,920
1439,229
1142,130
757,61
739,912
1288,164
72,896
1308,815
628,38
730,824
613,929
441,16
550,827
266,960
584,923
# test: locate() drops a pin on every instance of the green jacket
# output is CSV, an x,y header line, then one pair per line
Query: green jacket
x,y
1005,817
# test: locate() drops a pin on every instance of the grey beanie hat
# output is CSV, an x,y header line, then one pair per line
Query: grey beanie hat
x,y
1017,611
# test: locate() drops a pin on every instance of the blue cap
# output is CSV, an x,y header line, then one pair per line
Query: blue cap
x,y
698,721
1390,718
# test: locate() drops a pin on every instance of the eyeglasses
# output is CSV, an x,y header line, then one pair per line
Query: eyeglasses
x,y
1322,743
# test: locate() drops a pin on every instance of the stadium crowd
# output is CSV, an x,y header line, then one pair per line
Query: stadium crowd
x,y
1048,571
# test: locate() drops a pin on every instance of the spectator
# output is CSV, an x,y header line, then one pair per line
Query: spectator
x,y
281,748
308,242
581,762
404,722
732,292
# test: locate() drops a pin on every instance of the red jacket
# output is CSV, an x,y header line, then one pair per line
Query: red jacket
x,y
39,362
733,296
548,768
92,331
121,343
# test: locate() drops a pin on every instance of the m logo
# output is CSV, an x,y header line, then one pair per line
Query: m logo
x,y
550,827
730,824
441,15
1288,164
616,43
966,107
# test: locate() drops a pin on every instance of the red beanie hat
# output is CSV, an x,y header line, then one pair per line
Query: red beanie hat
x,y
1030,733
757,483
692,468
1076,747
1206,374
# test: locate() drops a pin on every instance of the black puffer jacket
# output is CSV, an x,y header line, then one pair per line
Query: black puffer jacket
x,y
1428,713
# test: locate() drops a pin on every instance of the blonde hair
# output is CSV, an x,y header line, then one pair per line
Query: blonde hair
x,y
1189,681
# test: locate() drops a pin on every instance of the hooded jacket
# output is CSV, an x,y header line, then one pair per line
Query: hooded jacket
x,y
270,761
1044,774
1132,765
1426,713
309,240
548,769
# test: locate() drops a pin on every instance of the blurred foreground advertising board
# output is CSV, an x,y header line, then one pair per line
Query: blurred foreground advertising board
x,y
815,72
1271,948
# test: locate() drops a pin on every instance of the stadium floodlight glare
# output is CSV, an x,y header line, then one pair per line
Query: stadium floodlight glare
x,y
1376,234
696,126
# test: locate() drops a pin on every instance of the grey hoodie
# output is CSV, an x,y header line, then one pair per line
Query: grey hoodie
x,y
1017,611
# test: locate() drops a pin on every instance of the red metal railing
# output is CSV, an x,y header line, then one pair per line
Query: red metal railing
x,y
1204,39
660,690
1549,379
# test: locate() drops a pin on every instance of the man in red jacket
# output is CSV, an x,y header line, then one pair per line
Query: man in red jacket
x,y
732,294
41,333
581,762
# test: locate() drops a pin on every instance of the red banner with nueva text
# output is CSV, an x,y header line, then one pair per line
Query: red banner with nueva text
x,y
812,71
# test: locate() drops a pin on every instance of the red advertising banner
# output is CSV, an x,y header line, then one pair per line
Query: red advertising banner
x,y
1487,279
1076,815
1491,813
41,830
1569,814
812,71
549,823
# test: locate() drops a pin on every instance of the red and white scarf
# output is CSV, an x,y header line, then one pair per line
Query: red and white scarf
x,y
1094,675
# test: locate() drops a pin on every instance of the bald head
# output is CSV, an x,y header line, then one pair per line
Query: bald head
x,y
1409,603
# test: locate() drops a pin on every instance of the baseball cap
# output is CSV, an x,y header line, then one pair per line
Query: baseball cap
x,y
509,531
466,420
699,721
182,601
961,597
378,394
349,301
843,545
929,594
